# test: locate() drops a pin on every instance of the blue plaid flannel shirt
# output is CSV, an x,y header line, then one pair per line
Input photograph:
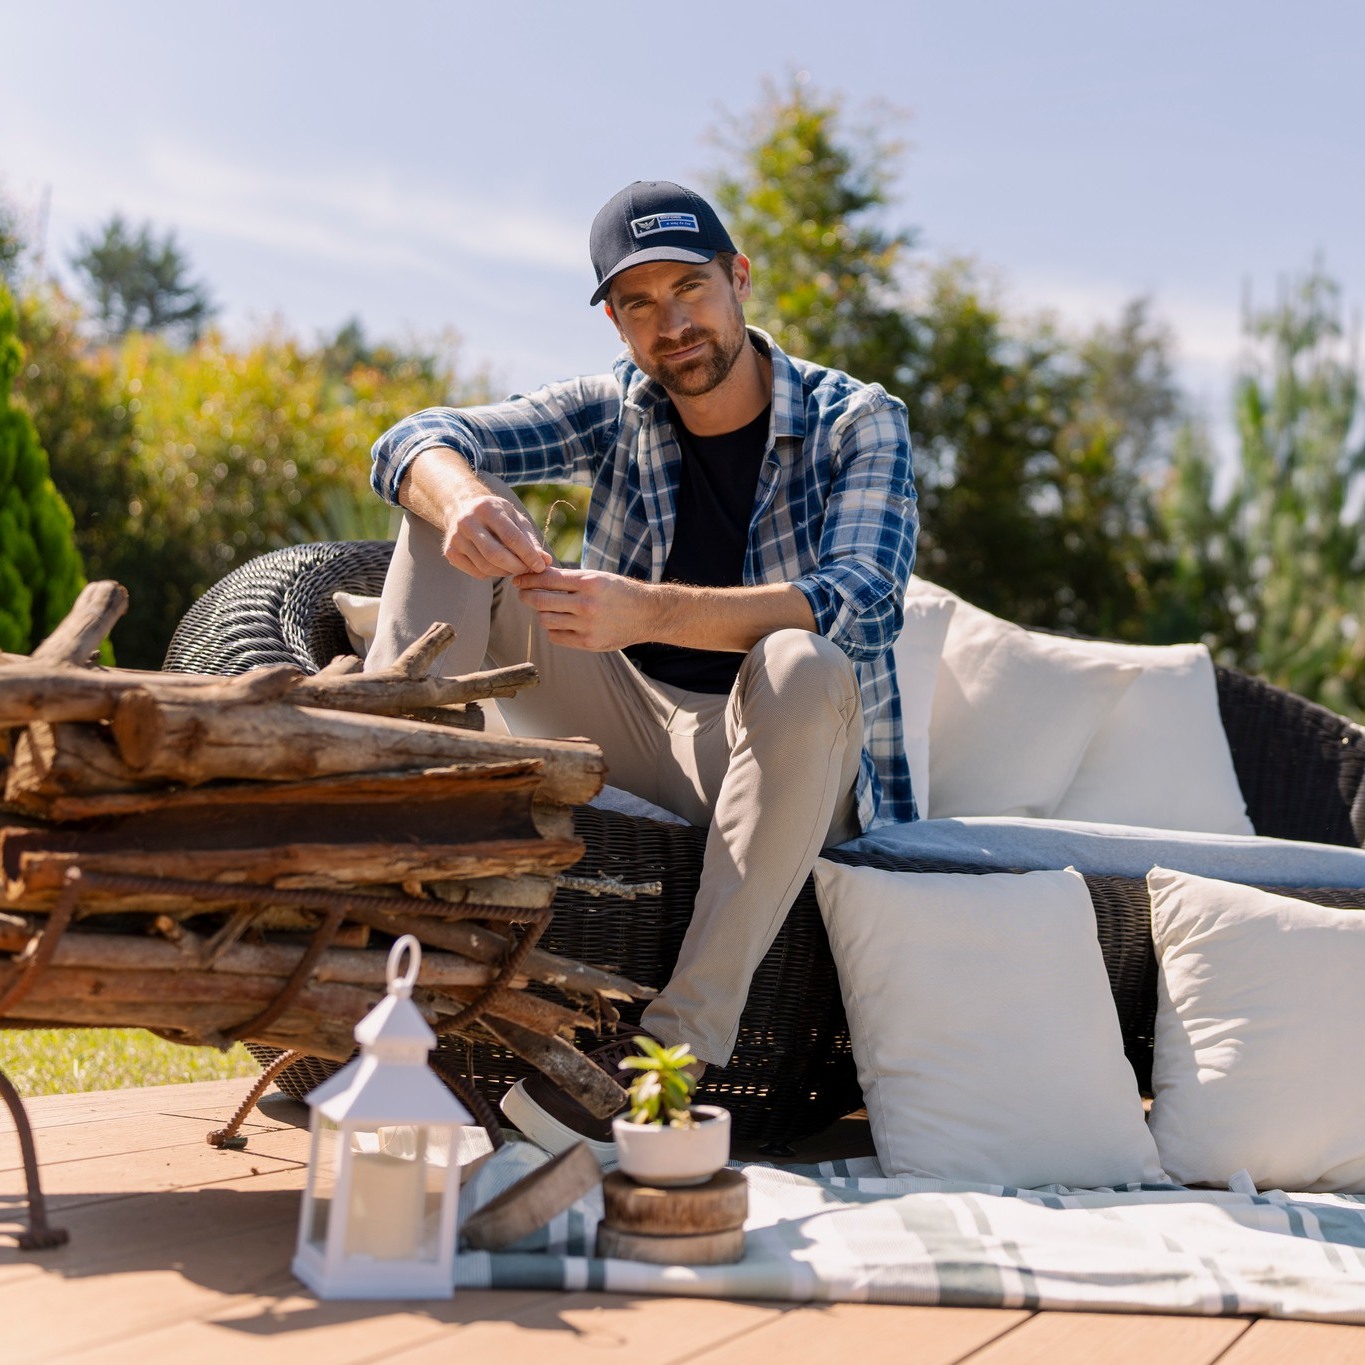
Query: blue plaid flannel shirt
x,y
835,511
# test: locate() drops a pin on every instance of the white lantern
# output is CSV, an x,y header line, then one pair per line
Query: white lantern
x,y
378,1216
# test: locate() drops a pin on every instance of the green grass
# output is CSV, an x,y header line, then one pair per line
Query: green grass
x,y
60,1061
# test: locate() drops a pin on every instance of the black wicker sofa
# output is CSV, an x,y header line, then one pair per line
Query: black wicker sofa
x,y
1300,766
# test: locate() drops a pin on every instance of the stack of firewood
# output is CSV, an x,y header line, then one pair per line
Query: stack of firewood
x,y
218,858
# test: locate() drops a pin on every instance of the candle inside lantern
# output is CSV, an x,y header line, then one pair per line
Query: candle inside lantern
x,y
386,1207
380,1209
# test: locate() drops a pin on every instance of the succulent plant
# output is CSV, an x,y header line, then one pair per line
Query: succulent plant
x,y
662,1092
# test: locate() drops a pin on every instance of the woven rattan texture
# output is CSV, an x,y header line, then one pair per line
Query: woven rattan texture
x,y
1300,767
278,609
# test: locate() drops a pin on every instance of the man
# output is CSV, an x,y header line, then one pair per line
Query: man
x,y
748,544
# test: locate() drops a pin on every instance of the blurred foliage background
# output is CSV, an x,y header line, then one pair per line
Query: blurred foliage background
x,y
1066,480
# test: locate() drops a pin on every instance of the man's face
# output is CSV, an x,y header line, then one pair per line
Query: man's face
x,y
683,324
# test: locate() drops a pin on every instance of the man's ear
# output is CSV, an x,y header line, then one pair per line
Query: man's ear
x,y
607,308
743,281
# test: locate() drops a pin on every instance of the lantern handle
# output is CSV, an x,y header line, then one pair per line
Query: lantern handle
x,y
402,985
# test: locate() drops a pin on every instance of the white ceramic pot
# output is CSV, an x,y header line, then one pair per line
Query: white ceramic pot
x,y
655,1154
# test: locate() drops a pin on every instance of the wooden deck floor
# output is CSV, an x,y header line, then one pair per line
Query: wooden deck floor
x,y
181,1253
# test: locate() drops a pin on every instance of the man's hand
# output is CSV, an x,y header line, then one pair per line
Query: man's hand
x,y
584,609
488,537
482,534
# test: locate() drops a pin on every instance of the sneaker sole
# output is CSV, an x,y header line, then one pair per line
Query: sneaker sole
x,y
546,1131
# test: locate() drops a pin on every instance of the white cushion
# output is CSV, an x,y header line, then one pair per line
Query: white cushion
x,y
1161,757
360,615
984,1031
1013,714
1259,1064
916,653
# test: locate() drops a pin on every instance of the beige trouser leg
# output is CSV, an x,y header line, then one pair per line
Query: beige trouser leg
x,y
770,768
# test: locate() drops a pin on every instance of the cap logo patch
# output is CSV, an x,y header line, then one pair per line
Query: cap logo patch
x,y
664,222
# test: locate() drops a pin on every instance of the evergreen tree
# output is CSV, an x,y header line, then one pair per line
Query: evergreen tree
x,y
137,283
40,569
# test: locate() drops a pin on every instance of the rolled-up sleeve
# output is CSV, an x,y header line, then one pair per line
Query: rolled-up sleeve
x,y
867,542
558,432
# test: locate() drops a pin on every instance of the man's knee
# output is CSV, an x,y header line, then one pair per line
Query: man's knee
x,y
800,668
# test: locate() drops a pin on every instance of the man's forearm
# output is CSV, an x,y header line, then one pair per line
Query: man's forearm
x,y
727,618
436,480
587,609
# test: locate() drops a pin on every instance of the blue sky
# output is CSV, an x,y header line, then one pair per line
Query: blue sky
x,y
429,165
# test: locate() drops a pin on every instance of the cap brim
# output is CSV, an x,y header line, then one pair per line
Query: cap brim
x,y
652,253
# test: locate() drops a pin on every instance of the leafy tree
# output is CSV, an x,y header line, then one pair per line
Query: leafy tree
x,y
241,451
137,283
1035,453
1284,548
806,204
40,569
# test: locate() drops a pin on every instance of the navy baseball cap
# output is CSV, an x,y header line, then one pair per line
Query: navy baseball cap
x,y
653,220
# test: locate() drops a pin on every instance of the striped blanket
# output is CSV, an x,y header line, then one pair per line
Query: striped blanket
x,y
842,1232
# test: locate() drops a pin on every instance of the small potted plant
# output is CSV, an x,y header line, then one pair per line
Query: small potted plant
x,y
665,1139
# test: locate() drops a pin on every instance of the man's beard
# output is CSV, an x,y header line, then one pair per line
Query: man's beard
x,y
707,371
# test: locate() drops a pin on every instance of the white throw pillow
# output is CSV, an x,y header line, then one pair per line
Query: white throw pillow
x,y
1161,757
360,615
1013,714
1259,1064
916,653
983,1027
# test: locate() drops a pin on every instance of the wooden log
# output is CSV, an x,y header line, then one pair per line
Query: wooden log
x,y
564,1065
122,968
467,717
51,759
187,986
422,655
701,1248
61,692
481,944
92,616
83,996
142,908
530,892
384,694
536,1198
721,1204
480,806
343,666
317,1035
412,786
343,966
178,742
15,933
299,865
515,1008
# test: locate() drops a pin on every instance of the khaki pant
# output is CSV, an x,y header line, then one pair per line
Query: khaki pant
x,y
770,768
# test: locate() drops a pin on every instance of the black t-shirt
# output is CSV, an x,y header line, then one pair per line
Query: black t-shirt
x,y
710,537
